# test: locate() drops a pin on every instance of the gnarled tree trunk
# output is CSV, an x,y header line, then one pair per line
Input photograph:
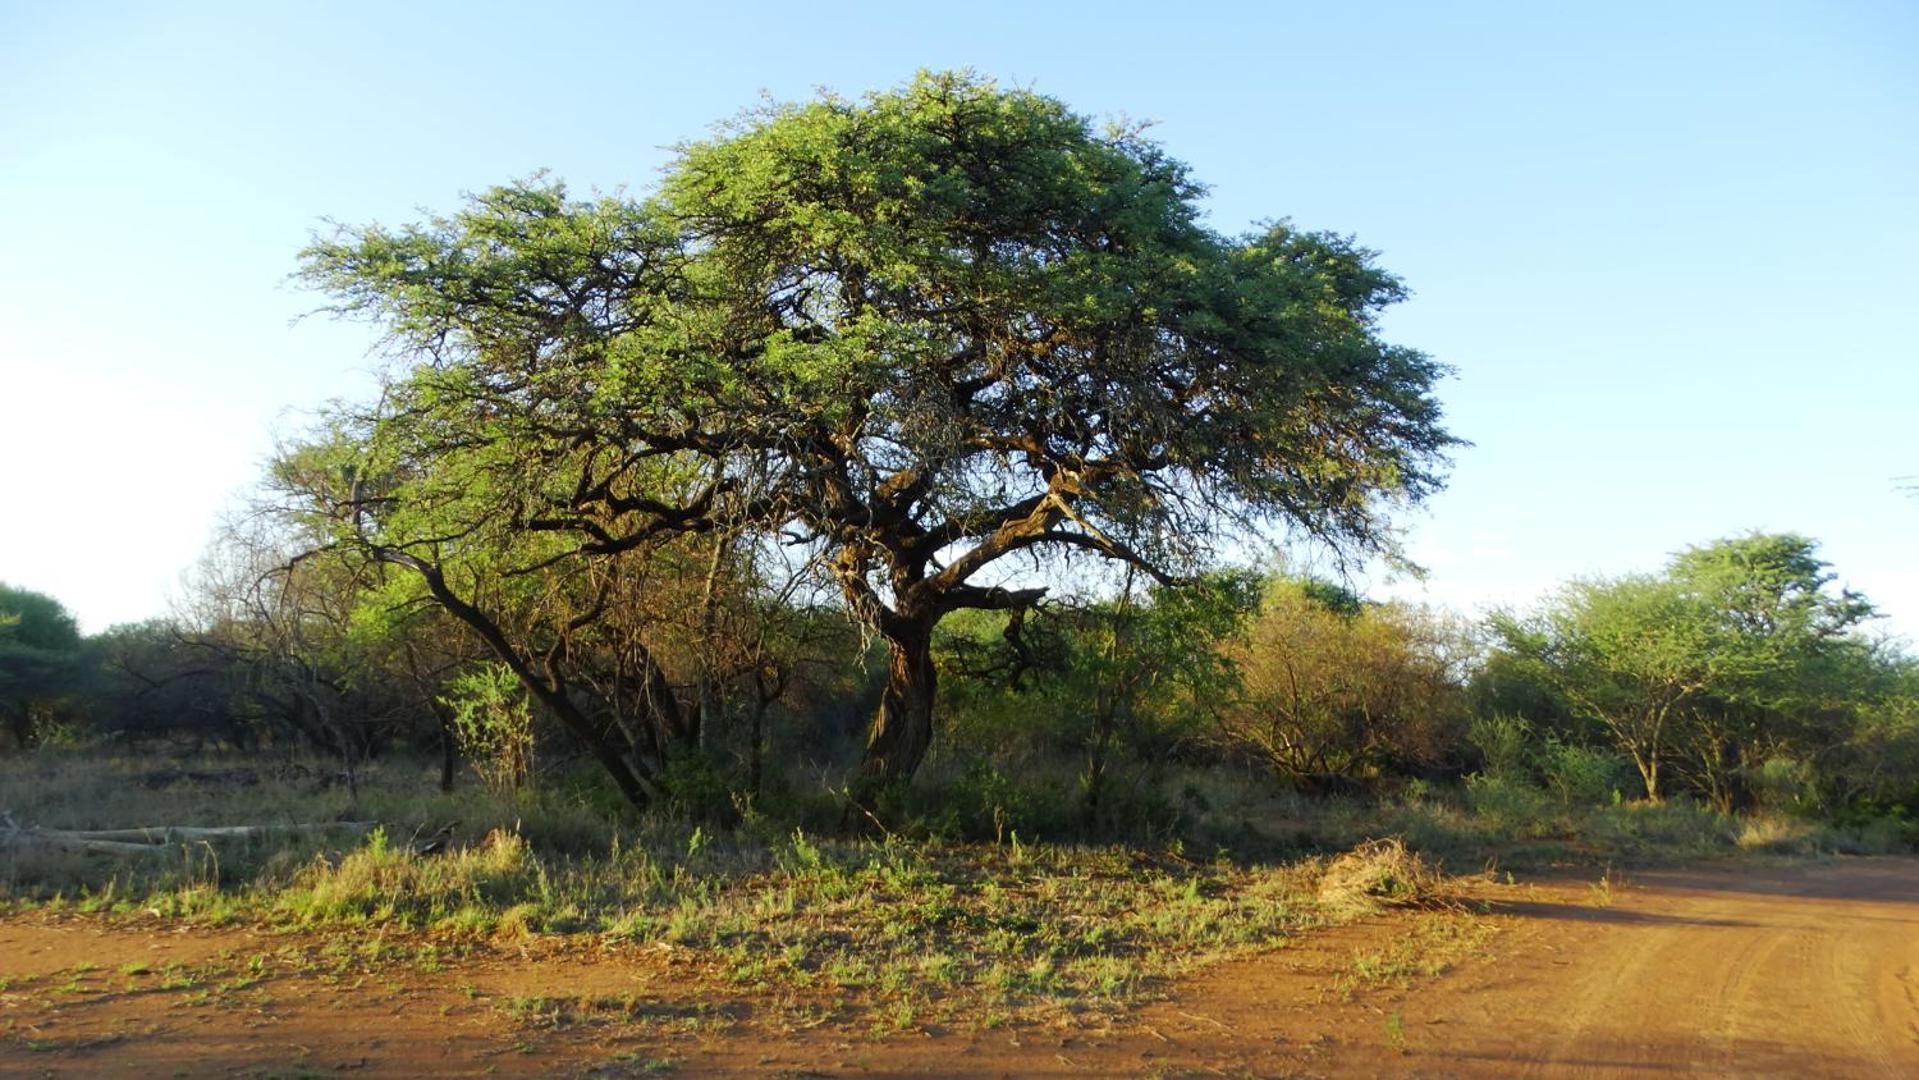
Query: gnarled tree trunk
x,y
903,729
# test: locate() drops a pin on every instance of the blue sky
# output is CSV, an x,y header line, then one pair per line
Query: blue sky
x,y
1669,248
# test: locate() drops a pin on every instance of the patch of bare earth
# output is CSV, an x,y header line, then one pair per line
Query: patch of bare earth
x,y
1807,969
83,997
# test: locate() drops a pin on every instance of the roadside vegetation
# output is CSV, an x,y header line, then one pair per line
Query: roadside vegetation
x,y
1093,821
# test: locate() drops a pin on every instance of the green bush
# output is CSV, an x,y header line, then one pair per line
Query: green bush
x,y
1514,807
697,789
1504,744
1783,783
494,725
1581,774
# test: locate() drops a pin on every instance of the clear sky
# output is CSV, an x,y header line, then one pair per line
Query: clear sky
x,y
1669,248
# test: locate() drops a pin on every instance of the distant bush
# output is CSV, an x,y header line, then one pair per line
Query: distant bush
x,y
1582,774
1334,691
1504,743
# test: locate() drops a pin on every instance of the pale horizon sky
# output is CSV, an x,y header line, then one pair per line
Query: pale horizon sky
x,y
1668,249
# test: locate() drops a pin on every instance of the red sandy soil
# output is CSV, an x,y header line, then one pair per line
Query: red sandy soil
x,y
1803,969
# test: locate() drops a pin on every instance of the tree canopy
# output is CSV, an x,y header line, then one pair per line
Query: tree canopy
x,y
39,654
915,335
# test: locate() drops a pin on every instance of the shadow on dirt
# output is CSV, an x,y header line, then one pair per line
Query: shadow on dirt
x,y
1539,909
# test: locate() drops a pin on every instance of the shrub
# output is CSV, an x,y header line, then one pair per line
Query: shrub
x,y
494,724
1785,784
1581,774
1336,691
1514,808
1502,742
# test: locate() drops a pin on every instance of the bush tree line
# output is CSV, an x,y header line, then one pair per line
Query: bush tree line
x,y
1738,676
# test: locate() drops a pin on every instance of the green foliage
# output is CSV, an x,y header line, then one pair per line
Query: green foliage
x,y
984,803
1503,742
1581,774
1738,652
148,679
1512,806
1876,771
40,661
1783,783
1116,684
697,788
494,723
1139,664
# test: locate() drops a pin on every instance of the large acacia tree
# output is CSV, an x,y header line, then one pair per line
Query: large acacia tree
x,y
941,335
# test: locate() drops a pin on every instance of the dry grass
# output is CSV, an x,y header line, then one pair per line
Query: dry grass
x,y
1771,832
1774,833
922,932
1378,872
919,930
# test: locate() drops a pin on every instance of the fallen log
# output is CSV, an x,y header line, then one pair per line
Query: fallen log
x,y
161,838
165,834
34,837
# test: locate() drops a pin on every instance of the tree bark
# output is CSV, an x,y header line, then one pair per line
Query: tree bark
x,y
903,729
442,716
764,694
449,748
20,723
756,752
1113,698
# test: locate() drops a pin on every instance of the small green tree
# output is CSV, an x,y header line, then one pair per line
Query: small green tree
x,y
493,722
1505,745
1628,653
39,661
1877,768
1788,672
1737,651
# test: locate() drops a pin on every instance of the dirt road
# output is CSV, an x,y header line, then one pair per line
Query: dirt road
x,y
1808,969
1811,970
